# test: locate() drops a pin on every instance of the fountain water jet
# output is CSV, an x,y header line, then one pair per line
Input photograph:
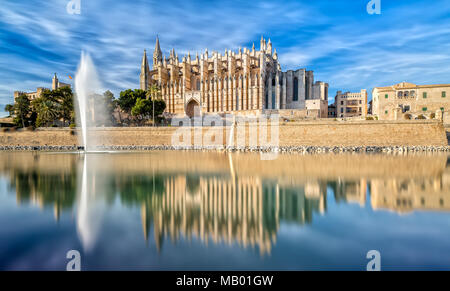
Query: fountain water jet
x,y
86,85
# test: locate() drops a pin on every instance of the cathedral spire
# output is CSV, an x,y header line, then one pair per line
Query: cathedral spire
x,y
157,54
143,78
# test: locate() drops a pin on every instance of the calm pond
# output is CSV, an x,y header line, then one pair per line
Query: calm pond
x,y
181,210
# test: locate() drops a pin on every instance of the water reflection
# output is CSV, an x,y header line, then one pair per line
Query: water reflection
x,y
92,190
220,198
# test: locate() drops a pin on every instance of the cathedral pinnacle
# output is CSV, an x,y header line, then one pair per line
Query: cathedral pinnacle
x,y
157,54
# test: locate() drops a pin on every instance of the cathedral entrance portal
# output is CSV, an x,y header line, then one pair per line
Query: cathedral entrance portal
x,y
192,109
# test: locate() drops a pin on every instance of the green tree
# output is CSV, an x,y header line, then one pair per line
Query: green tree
x,y
22,110
10,109
64,97
160,106
129,97
47,111
108,98
48,95
109,103
142,108
53,105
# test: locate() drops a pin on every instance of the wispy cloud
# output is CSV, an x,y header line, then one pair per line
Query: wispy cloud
x,y
344,45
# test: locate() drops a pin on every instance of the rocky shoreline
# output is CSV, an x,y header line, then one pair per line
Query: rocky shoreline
x,y
281,149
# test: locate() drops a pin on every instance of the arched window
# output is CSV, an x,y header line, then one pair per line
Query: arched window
x,y
400,94
295,90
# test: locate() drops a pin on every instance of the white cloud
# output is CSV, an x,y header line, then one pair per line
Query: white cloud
x,y
341,50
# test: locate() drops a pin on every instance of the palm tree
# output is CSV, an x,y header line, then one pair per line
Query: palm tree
x,y
47,111
10,109
153,92
66,103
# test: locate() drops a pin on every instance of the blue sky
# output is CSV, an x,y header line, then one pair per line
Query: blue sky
x,y
338,40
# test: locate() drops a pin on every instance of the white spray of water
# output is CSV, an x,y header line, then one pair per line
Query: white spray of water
x,y
91,186
86,85
91,202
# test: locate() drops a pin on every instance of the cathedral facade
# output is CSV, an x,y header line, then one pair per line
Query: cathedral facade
x,y
246,81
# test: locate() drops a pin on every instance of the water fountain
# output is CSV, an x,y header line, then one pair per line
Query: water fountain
x,y
87,84
90,187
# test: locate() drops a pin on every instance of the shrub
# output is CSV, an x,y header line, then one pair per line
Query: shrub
x,y
408,116
433,115
72,125
421,116
53,125
369,118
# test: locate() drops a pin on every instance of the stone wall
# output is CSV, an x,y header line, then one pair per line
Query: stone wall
x,y
318,133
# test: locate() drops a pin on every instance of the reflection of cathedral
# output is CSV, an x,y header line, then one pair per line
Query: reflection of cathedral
x,y
245,210
350,191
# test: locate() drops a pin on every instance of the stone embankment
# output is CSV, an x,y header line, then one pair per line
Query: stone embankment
x,y
303,137
281,149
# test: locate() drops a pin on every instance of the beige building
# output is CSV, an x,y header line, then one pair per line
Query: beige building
x,y
351,104
317,107
249,80
36,94
407,100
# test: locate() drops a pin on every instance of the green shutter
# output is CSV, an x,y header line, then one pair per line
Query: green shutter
x,y
424,109
424,94
385,112
443,94
386,96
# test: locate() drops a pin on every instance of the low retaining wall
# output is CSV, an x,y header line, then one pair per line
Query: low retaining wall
x,y
292,134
